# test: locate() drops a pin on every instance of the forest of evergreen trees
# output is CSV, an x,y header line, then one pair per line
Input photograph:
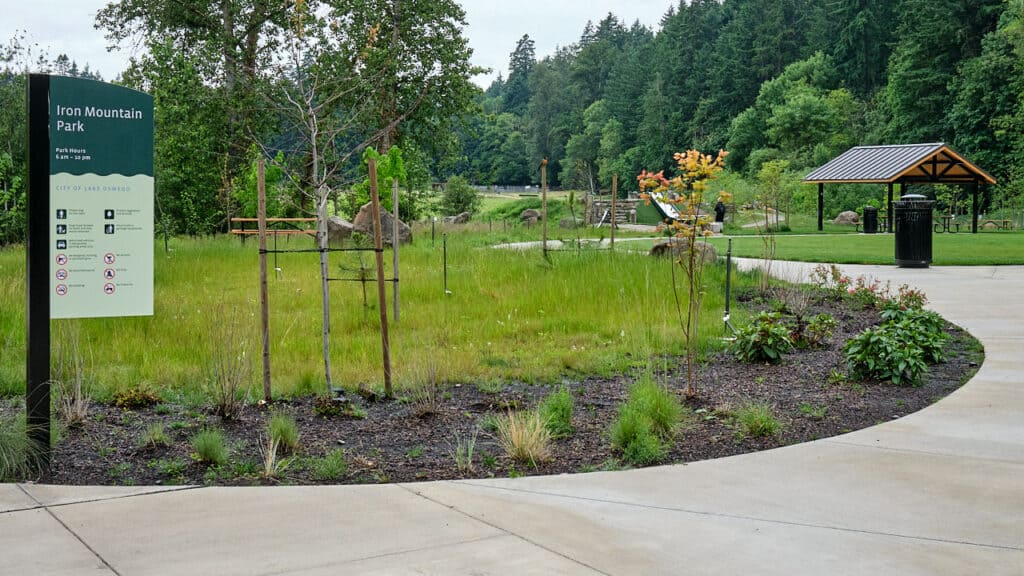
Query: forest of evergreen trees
x,y
793,80
786,84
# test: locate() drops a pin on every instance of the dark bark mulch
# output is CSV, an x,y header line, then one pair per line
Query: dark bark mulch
x,y
400,441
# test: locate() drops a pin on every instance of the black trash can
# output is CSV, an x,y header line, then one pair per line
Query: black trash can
x,y
913,226
870,220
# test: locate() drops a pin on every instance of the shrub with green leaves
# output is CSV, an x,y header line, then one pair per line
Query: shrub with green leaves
x,y
818,330
766,339
877,353
757,419
556,410
210,447
284,431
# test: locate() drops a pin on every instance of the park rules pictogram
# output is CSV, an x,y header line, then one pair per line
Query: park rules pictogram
x,y
90,215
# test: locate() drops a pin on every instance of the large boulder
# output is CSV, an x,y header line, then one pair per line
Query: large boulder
x,y
529,213
363,222
848,218
338,230
458,218
678,247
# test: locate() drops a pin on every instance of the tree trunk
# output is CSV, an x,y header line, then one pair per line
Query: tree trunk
x,y
321,238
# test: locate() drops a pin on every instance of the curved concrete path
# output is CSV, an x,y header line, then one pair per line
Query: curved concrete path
x,y
937,492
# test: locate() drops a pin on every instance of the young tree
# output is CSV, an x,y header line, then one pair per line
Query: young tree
x,y
324,98
695,170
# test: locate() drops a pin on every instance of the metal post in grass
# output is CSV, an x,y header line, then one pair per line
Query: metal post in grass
x,y
261,215
444,259
382,301
615,192
544,205
728,286
394,242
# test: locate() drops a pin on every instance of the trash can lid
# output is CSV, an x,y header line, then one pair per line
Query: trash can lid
x,y
913,197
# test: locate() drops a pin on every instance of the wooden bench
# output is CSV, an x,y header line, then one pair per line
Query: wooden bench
x,y
1001,224
297,226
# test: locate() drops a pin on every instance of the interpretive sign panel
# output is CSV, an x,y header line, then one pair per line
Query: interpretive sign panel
x,y
101,199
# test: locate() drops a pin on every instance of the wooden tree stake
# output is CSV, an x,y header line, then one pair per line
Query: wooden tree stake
x,y
544,205
394,242
382,299
261,187
615,192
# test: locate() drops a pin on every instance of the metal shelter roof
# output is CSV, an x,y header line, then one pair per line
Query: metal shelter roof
x,y
920,163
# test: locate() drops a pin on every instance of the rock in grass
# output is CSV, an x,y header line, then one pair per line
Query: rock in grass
x,y
363,222
848,218
680,246
338,230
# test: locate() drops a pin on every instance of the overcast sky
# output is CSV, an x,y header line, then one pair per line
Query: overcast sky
x,y
65,26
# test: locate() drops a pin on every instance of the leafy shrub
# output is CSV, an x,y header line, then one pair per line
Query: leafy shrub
x,y
877,353
766,339
524,437
556,410
210,447
284,431
757,419
912,332
330,468
818,330
135,398
459,197
633,435
327,407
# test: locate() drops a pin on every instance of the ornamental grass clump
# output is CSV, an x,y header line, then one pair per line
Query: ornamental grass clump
x,y
209,447
330,468
18,454
757,419
284,431
646,423
556,410
525,437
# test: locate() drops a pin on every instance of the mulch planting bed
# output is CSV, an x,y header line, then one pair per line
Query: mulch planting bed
x,y
405,441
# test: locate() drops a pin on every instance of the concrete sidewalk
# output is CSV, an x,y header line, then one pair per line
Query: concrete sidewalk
x,y
937,492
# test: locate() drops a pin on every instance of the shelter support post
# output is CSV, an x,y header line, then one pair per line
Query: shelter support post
x,y
821,207
974,207
888,211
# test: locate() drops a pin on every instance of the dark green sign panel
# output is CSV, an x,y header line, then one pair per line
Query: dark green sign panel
x,y
101,199
99,128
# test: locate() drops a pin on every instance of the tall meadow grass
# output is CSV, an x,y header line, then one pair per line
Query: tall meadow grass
x,y
509,316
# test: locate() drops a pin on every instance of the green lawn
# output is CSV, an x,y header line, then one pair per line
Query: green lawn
x,y
984,248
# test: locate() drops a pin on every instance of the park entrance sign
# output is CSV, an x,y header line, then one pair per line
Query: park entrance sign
x,y
101,199
90,216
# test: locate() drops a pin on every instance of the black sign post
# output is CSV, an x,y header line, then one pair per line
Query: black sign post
x,y
37,266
